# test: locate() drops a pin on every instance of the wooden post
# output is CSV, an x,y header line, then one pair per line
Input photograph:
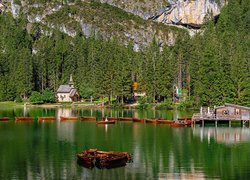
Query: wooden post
x,y
202,123
229,123
215,123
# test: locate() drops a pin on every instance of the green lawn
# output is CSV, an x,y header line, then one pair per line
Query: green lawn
x,y
9,104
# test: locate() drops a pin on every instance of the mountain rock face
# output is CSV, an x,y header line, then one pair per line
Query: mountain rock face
x,y
136,21
177,12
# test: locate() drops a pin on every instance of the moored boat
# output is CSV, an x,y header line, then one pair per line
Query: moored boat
x,y
125,119
106,122
48,118
110,118
154,121
4,119
161,121
138,120
180,124
24,118
88,118
70,118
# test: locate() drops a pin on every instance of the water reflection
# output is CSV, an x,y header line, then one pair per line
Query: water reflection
x,y
223,134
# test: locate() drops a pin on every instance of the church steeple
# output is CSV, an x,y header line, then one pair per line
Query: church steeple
x,y
71,83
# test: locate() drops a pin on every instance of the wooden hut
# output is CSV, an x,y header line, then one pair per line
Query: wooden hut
x,y
232,111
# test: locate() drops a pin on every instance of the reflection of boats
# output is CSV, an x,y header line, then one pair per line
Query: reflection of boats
x,y
4,119
138,120
88,118
47,118
125,119
103,159
161,121
68,118
24,118
106,122
110,118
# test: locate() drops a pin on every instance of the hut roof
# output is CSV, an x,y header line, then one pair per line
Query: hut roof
x,y
64,89
233,105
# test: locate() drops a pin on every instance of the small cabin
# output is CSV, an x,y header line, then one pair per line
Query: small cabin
x,y
67,92
233,111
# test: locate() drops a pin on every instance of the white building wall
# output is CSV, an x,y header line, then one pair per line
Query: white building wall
x,y
63,97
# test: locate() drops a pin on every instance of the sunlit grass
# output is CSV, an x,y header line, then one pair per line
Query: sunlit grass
x,y
10,104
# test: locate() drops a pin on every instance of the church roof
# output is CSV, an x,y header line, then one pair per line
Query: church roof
x,y
64,89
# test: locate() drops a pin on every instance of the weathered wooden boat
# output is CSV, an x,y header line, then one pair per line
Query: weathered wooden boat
x,y
110,118
4,119
49,118
180,124
106,122
125,119
86,158
138,120
154,121
102,159
70,118
88,118
24,118
161,121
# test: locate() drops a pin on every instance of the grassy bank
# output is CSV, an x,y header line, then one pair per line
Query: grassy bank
x,y
10,104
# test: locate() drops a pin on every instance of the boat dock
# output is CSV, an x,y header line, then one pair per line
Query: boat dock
x,y
225,114
204,119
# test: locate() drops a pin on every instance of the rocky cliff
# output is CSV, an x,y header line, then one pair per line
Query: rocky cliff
x,y
138,21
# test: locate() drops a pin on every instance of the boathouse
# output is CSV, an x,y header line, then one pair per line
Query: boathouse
x,y
233,111
67,93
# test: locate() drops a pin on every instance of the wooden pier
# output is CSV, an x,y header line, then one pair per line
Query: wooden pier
x,y
213,119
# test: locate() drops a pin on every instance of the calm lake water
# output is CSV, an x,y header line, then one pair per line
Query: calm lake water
x,y
34,150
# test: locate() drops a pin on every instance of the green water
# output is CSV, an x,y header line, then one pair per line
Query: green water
x,y
34,150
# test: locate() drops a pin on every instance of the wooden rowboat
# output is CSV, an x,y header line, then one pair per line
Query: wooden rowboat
x,y
72,118
125,119
46,118
154,121
88,118
161,121
110,118
103,159
106,122
24,118
180,124
138,120
4,119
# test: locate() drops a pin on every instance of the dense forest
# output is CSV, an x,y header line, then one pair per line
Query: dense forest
x,y
212,67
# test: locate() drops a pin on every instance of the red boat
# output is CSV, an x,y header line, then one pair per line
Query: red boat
x,y
154,121
88,118
24,118
46,118
4,119
68,118
161,121
110,118
106,122
125,119
138,120
180,124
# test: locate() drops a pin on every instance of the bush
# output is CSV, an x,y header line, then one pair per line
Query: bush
x,y
48,96
187,104
36,98
167,104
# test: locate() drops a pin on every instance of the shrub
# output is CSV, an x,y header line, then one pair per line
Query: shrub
x,y
36,98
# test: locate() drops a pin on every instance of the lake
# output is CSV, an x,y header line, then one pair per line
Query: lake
x,y
35,150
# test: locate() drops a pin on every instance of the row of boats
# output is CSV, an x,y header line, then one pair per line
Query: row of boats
x,y
181,122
